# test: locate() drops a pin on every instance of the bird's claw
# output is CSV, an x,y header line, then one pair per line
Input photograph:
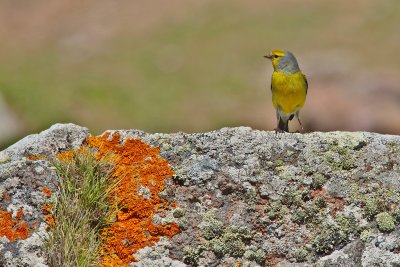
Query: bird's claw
x,y
277,130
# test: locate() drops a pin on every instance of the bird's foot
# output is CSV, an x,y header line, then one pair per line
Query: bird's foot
x,y
277,130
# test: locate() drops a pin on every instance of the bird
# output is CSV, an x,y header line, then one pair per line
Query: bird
x,y
288,86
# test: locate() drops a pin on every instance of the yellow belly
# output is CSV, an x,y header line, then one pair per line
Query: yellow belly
x,y
288,91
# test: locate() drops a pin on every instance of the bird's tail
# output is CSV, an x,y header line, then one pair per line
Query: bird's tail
x,y
283,125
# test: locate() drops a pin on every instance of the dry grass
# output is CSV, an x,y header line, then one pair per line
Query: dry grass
x,y
80,210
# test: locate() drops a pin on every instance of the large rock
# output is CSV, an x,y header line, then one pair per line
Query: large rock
x,y
244,197
22,181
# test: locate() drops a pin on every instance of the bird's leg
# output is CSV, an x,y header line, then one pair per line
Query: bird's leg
x,y
278,119
277,130
298,119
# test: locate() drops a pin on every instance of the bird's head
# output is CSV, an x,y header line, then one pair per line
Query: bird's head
x,y
283,60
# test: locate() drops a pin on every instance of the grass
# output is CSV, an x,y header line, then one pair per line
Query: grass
x,y
80,210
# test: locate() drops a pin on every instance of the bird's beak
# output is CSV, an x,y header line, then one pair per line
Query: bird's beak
x,y
269,56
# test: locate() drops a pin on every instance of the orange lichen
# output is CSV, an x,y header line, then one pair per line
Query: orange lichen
x,y
136,166
47,192
36,157
46,209
13,228
20,214
50,221
67,155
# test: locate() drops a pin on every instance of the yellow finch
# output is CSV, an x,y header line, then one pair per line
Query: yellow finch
x,y
289,88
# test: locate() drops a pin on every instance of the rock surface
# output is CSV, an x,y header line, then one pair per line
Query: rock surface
x,y
244,197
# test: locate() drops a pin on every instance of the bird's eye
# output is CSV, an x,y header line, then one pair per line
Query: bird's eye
x,y
276,56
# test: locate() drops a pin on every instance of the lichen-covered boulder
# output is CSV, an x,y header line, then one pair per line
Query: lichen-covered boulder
x,y
26,182
243,197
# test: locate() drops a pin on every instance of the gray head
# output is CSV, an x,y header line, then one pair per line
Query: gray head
x,y
284,61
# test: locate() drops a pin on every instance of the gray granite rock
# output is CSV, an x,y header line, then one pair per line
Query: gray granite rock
x,y
244,196
21,183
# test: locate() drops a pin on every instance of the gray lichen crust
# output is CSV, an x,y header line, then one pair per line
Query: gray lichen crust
x,y
251,198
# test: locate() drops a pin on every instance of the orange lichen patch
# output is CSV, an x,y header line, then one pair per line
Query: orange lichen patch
x,y
32,157
50,220
112,261
13,228
67,155
47,192
137,166
36,157
20,214
46,209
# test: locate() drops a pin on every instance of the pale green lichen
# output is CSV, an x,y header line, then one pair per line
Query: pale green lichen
x,y
350,140
293,198
366,234
287,172
176,216
4,158
192,254
279,163
340,155
335,233
184,150
166,146
223,240
269,165
320,203
374,198
301,254
229,244
276,210
178,213
211,227
299,216
301,208
251,200
385,222
254,254
372,206
318,180
340,158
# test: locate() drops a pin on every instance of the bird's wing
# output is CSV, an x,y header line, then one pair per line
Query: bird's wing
x,y
305,79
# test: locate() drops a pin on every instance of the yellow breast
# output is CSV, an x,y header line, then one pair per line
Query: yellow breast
x,y
288,91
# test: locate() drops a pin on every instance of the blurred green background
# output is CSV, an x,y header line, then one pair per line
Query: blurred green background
x,y
185,65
